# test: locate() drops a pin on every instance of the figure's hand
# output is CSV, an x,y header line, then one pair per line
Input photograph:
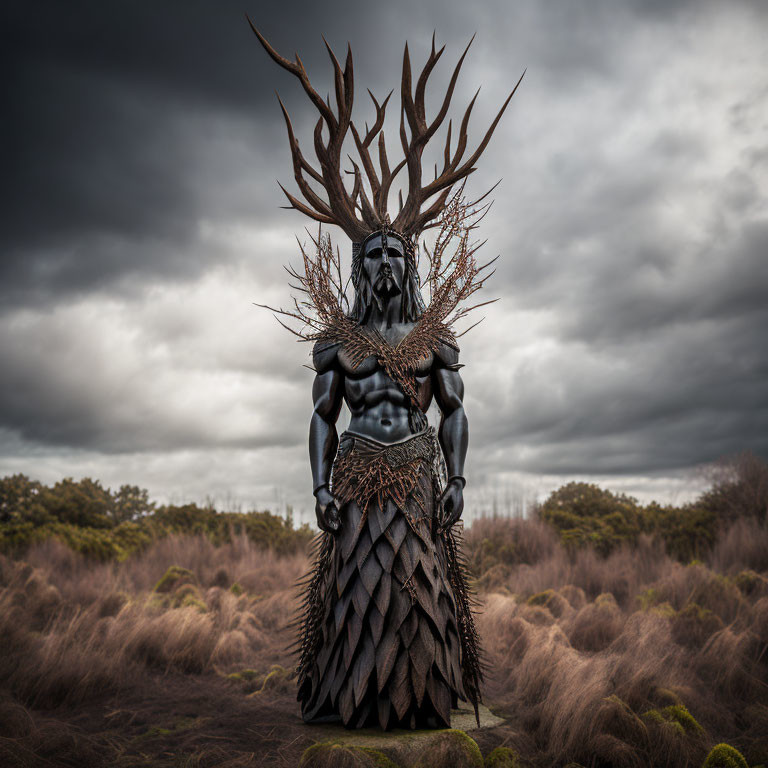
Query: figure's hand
x,y
326,510
452,503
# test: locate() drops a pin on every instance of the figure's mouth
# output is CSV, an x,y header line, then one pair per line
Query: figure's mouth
x,y
385,285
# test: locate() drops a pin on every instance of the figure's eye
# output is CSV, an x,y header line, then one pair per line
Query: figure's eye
x,y
375,253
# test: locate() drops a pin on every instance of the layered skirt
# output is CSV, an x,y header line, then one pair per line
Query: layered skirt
x,y
387,635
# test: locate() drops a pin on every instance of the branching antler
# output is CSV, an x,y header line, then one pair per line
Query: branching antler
x,y
341,207
411,219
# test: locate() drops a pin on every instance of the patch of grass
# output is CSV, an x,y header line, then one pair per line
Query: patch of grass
x,y
328,754
276,680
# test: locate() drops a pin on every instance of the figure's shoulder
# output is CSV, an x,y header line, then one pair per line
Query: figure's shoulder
x,y
447,355
325,355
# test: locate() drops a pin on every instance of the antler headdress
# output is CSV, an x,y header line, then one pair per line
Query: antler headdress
x,y
355,213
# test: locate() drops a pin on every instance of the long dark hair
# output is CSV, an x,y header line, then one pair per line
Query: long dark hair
x,y
411,305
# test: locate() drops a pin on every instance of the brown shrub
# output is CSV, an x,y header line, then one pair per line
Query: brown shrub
x,y
575,596
728,662
739,488
554,602
232,647
491,541
182,639
759,623
68,663
52,743
694,625
741,544
595,626
101,630
15,721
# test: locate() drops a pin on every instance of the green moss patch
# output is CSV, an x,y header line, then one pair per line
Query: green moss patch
x,y
155,731
648,598
250,680
550,599
450,749
502,757
173,578
540,598
725,756
675,716
665,610
607,601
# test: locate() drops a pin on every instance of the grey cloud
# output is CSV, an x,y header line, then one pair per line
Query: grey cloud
x,y
685,396
91,377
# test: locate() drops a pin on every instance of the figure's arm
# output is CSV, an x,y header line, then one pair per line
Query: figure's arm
x,y
327,395
454,431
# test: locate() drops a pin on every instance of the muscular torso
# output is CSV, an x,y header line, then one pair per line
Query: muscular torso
x,y
378,406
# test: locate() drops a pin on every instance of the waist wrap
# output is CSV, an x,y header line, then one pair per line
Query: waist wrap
x,y
366,469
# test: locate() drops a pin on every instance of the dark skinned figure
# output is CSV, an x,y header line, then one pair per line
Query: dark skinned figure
x,y
387,635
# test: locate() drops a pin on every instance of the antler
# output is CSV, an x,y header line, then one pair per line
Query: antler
x,y
410,219
342,207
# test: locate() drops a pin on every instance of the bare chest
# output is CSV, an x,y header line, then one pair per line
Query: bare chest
x,y
356,368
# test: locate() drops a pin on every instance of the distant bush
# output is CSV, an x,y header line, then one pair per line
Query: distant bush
x,y
739,488
105,525
585,515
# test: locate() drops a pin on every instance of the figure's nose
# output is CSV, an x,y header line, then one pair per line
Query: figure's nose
x,y
385,256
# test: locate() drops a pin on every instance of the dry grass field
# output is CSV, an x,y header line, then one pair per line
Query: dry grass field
x,y
179,655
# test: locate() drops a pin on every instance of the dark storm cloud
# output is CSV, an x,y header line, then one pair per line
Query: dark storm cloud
x,y
119,121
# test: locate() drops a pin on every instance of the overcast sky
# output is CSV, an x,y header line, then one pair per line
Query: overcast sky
x,y
141,146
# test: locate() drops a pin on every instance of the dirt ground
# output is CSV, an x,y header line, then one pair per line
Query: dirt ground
x,y
187,721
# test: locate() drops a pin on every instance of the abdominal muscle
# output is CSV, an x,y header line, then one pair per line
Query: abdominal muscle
x,y
379,408
386,422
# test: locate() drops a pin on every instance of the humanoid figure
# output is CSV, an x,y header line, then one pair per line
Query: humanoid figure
x,y
390,633
387,634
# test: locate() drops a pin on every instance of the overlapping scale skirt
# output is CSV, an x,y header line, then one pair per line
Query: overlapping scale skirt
x,y
382,626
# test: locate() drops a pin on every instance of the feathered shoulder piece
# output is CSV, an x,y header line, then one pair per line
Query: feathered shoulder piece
x,y
321,311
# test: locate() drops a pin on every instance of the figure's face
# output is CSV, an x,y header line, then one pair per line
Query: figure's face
x,y
384,267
